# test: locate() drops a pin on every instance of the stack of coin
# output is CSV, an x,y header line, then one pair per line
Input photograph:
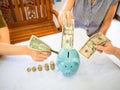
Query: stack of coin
x,y
39,67
33,68
52,65
28,69
46,66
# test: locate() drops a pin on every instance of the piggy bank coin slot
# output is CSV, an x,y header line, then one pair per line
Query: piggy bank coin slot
x,y
68,55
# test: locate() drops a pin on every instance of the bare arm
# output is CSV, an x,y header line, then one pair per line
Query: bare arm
x,y
108,19
4,35
8,49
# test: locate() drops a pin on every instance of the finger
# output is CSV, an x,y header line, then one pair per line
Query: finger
x,y
42,52
46,53
62,17
100,51
39,59
98,47
40,56
68,17
59,19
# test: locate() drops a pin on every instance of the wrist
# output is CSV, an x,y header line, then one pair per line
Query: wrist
x,y
117,52
64,10
26,50
102,32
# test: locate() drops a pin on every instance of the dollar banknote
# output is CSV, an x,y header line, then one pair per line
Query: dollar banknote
x,y
67,35
89,47
39,45
99,38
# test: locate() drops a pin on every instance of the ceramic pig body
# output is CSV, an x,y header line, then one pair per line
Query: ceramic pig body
x,y
68,61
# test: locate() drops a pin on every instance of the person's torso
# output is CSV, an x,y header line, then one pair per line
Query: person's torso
x,y
89,16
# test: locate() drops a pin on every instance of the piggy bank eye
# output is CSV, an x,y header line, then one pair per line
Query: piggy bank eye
x,y
71,66
65,66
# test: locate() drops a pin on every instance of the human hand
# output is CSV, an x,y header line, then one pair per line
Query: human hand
x,y
107,48
38,55
65,15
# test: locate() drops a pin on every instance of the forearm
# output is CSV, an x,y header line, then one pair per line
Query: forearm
x,y
68,5
108,19
104,27
7,49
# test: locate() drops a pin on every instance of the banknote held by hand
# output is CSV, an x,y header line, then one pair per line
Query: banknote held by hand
x,y
89,47
39,45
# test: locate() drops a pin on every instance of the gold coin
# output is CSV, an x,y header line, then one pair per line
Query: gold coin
x,y
33,68
28,69
46,66
52,65
39,67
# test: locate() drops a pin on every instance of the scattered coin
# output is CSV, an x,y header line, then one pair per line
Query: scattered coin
x,y
39,67
52,65
28,69
33,68
46,66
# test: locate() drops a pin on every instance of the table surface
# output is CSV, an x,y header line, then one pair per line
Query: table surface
x,y
97,73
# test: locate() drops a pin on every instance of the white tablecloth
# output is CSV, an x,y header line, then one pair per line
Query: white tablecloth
x,y
97,73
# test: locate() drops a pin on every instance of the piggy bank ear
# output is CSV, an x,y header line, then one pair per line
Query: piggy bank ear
x,y
76,61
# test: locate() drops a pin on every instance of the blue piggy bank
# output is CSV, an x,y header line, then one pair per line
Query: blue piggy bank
x,y
68,61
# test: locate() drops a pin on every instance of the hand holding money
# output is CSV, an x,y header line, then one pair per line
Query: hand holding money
x,y
89,48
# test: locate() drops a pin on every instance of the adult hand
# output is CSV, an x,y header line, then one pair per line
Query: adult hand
x,y
107,48
65,15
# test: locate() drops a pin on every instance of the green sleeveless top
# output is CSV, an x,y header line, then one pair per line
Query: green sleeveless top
x,y
2,21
